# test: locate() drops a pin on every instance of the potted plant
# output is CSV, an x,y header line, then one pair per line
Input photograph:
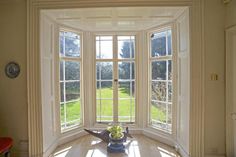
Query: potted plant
x,y
116,139
116,132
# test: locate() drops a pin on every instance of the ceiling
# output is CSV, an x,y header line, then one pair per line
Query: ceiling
x,y
115,19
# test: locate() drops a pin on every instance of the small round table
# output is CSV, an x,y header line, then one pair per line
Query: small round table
x,y
5,145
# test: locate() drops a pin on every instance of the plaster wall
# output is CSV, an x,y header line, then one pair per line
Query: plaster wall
x,y
230,14
214,90
13,92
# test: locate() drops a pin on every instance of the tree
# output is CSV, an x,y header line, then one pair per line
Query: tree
x,y
159,68
106,73
127,51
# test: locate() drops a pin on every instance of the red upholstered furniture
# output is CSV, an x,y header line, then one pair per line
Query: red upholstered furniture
x,y
5,145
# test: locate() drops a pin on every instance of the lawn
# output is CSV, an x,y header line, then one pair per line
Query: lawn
x,y
105,108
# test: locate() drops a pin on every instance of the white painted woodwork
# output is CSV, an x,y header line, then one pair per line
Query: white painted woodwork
x,y
231,91
47,84
183,62
115,19
34,64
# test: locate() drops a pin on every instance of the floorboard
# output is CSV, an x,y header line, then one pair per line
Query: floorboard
x,y
138,146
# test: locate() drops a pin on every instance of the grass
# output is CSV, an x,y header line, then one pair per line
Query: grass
x,y
105,107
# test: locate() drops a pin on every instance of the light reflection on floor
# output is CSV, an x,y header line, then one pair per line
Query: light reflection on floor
x,y
62,153
139,146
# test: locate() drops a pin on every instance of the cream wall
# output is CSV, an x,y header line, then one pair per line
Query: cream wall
x,y
214,90
13,92
230,11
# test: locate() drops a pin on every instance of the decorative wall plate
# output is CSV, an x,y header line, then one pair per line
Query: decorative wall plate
x,y
12,69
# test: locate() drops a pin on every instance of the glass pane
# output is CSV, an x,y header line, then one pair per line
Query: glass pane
x,y
158,44
159,70
104,110
62,91
169,91
159,91
104,89
169,120
62,46
72,45
133,71
62,115
125,47
72,90
124,70
61,70
133,89
104,47
98,92
126,110
169,40
72,35
104,70
169,70
124,90
73,112
158,114
72,70
108,38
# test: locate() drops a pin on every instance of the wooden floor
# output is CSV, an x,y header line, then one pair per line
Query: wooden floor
x,y
139,146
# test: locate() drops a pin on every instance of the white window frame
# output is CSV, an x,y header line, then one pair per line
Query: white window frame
x,y
173,58
135,60
77,59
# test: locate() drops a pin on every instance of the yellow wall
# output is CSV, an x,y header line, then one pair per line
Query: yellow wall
x,y
214,90
13,92
230,14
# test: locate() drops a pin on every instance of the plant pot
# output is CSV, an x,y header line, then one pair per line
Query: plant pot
x,y
116,140
116,145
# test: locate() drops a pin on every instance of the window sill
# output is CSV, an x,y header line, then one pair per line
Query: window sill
x,y
71,134
159,135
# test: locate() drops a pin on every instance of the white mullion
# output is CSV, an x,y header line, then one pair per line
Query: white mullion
x,y
64,90
166,91
100,87
161,80
67,81
130,89
64,43
104,99
64,87
149,81
130,50
161,101
99,77
167,71
100,55
104,60
160,58
115,76
77,59
116,60
105,80
76,100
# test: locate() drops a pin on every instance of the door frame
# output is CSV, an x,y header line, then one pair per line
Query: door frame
x,y
229,34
